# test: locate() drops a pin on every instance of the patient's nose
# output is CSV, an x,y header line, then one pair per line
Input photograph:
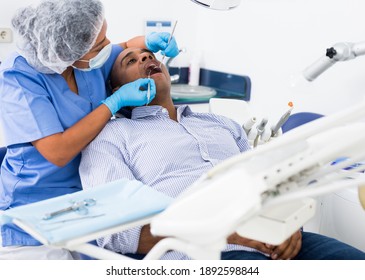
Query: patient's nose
x,y
145,56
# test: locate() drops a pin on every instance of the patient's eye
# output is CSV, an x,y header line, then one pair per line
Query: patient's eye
x,y
131,61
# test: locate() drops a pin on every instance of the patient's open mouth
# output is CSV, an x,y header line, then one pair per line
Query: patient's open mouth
x,y
152,69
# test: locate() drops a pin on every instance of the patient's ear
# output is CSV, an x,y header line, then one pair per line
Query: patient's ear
x,y
115,89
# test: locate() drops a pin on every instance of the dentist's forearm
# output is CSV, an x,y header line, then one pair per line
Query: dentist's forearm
x,y
60,148
138,42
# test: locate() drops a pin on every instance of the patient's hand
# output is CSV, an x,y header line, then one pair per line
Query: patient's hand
x,y
147,240
289,249
239,240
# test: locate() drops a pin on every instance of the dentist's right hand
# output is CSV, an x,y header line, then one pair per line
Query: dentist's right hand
x,y
131,94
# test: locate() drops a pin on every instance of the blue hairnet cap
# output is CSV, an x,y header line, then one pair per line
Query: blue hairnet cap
x,y
56,33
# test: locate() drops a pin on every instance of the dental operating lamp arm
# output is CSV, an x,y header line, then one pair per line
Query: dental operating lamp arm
x,y
338,52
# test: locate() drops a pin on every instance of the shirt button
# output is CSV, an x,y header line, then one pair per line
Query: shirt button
x,y
164,110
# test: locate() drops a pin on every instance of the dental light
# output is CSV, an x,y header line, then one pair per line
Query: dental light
x,y
338,52
218,4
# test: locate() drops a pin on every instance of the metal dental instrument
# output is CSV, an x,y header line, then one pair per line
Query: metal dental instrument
x,y
148,92
148,89
260,130
282,120
73,219
168,42
76,206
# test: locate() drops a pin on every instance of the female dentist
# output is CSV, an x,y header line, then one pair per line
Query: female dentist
x,y
53,102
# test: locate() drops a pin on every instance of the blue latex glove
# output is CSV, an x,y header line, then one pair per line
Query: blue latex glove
x,y
131,94
157,41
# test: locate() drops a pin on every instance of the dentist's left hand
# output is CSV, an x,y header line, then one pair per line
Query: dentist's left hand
x,y
158,41
131,94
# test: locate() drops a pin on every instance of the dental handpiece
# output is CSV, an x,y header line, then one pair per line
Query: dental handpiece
x,y
260,130
282,120
249,124
168,42
261,127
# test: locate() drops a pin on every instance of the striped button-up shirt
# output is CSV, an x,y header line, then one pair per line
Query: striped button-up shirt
x,y
168,156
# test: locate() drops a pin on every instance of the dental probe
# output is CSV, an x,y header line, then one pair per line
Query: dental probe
x,y
148,89
168,42
282,120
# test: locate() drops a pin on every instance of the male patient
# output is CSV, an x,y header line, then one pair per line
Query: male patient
x,y
168,148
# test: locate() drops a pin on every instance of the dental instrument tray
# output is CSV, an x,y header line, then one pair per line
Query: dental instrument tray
x,y
211,84
59,219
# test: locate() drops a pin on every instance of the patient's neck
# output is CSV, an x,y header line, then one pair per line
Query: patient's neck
x,y
163,98
170,107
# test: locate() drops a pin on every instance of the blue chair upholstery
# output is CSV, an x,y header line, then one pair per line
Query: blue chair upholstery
x,y
2,154
298,119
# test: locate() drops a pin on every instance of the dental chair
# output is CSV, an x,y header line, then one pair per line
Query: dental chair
x,y
283,175
298,119
235,109
340,214
263,194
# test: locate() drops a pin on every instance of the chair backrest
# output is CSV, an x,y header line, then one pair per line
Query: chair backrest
x,y
298,119
235,109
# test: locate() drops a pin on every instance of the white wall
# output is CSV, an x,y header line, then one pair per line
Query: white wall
x,y
6,13
271,41
126,19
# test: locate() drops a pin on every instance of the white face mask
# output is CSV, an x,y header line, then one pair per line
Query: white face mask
x,y
97,61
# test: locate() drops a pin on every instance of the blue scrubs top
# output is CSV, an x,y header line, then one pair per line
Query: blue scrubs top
x,y
32,106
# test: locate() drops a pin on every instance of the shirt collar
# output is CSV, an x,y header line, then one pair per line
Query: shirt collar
x,y
154,110
183,110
